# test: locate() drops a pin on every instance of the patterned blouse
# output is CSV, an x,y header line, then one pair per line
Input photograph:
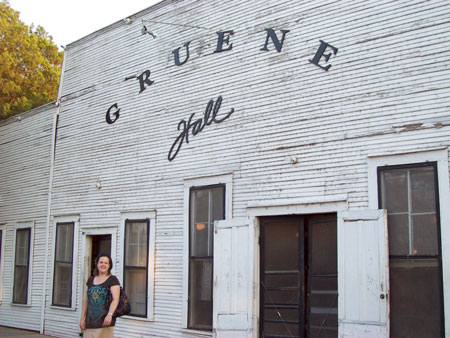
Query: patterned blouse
x,y
98,301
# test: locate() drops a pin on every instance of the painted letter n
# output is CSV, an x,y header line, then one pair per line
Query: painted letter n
x,y
273,36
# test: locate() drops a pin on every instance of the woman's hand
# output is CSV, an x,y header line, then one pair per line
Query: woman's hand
x,y
83,312
82,324
115,291
107,321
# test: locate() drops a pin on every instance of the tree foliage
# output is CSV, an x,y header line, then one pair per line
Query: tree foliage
x,y
30,64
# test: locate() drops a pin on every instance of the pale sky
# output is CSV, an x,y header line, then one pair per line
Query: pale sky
x,y
69,20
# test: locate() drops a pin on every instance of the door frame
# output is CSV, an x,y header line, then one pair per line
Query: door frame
x,y
301,225
86,250
303,206
304,223
440,155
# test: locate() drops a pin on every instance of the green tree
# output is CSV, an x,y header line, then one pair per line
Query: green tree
x,y
30,64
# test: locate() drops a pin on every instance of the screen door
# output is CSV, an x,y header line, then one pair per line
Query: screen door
x,y
298,291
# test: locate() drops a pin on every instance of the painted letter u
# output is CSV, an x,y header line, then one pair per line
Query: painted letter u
x,y
176,54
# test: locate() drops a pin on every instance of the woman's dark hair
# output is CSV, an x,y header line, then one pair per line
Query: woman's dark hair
x,y
96,262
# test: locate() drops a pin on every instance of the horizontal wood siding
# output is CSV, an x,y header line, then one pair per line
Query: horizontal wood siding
x,y
386,91
25,147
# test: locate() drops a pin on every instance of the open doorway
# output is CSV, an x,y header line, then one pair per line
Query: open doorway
x,y
100,244
95,245
298,276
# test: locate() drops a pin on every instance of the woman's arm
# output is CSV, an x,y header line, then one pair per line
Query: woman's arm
x,y
83,312
115,291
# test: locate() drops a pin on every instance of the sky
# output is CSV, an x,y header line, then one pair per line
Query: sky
x,y
69,20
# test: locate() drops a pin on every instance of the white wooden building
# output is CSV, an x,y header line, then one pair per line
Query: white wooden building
x,y
254,168
25,161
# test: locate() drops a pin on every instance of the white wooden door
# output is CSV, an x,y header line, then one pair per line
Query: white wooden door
x,y
233,278
363,269
87,261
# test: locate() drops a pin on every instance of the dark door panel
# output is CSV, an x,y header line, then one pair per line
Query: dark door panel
x,y
298,276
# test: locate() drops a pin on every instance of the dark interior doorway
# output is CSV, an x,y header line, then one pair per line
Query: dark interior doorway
x,y
101,244
298,276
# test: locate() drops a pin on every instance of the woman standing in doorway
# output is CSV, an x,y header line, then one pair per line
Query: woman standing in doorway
x,y
97,315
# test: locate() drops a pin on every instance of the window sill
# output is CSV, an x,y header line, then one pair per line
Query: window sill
x,y
141,319
197,333
56,307
20,305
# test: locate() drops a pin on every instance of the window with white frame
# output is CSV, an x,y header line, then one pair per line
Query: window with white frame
x,y
207,204
22,265
1,250
138,230
135,266
1,261
206,199
63,264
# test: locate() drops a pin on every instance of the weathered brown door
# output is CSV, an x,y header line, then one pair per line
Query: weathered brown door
x,y
298,276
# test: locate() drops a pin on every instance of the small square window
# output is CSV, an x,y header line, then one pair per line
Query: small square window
x,y
409,195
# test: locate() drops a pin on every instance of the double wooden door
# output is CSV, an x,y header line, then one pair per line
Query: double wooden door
x,y
298,276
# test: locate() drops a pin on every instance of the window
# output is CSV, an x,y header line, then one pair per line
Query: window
x,y
63,265
64,278
136,265
205,200
207,204
410,195
21,266
1,250
1,261
138,233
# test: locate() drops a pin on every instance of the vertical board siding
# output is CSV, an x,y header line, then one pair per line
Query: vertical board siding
x,y
25,148
386,91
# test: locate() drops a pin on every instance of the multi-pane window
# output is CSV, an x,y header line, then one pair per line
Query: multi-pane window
x,y
136,265
1,241
207,204
1,265
411,198
21,265
63,265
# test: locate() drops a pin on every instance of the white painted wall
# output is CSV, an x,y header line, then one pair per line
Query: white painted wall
x,y
386,90
25,147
